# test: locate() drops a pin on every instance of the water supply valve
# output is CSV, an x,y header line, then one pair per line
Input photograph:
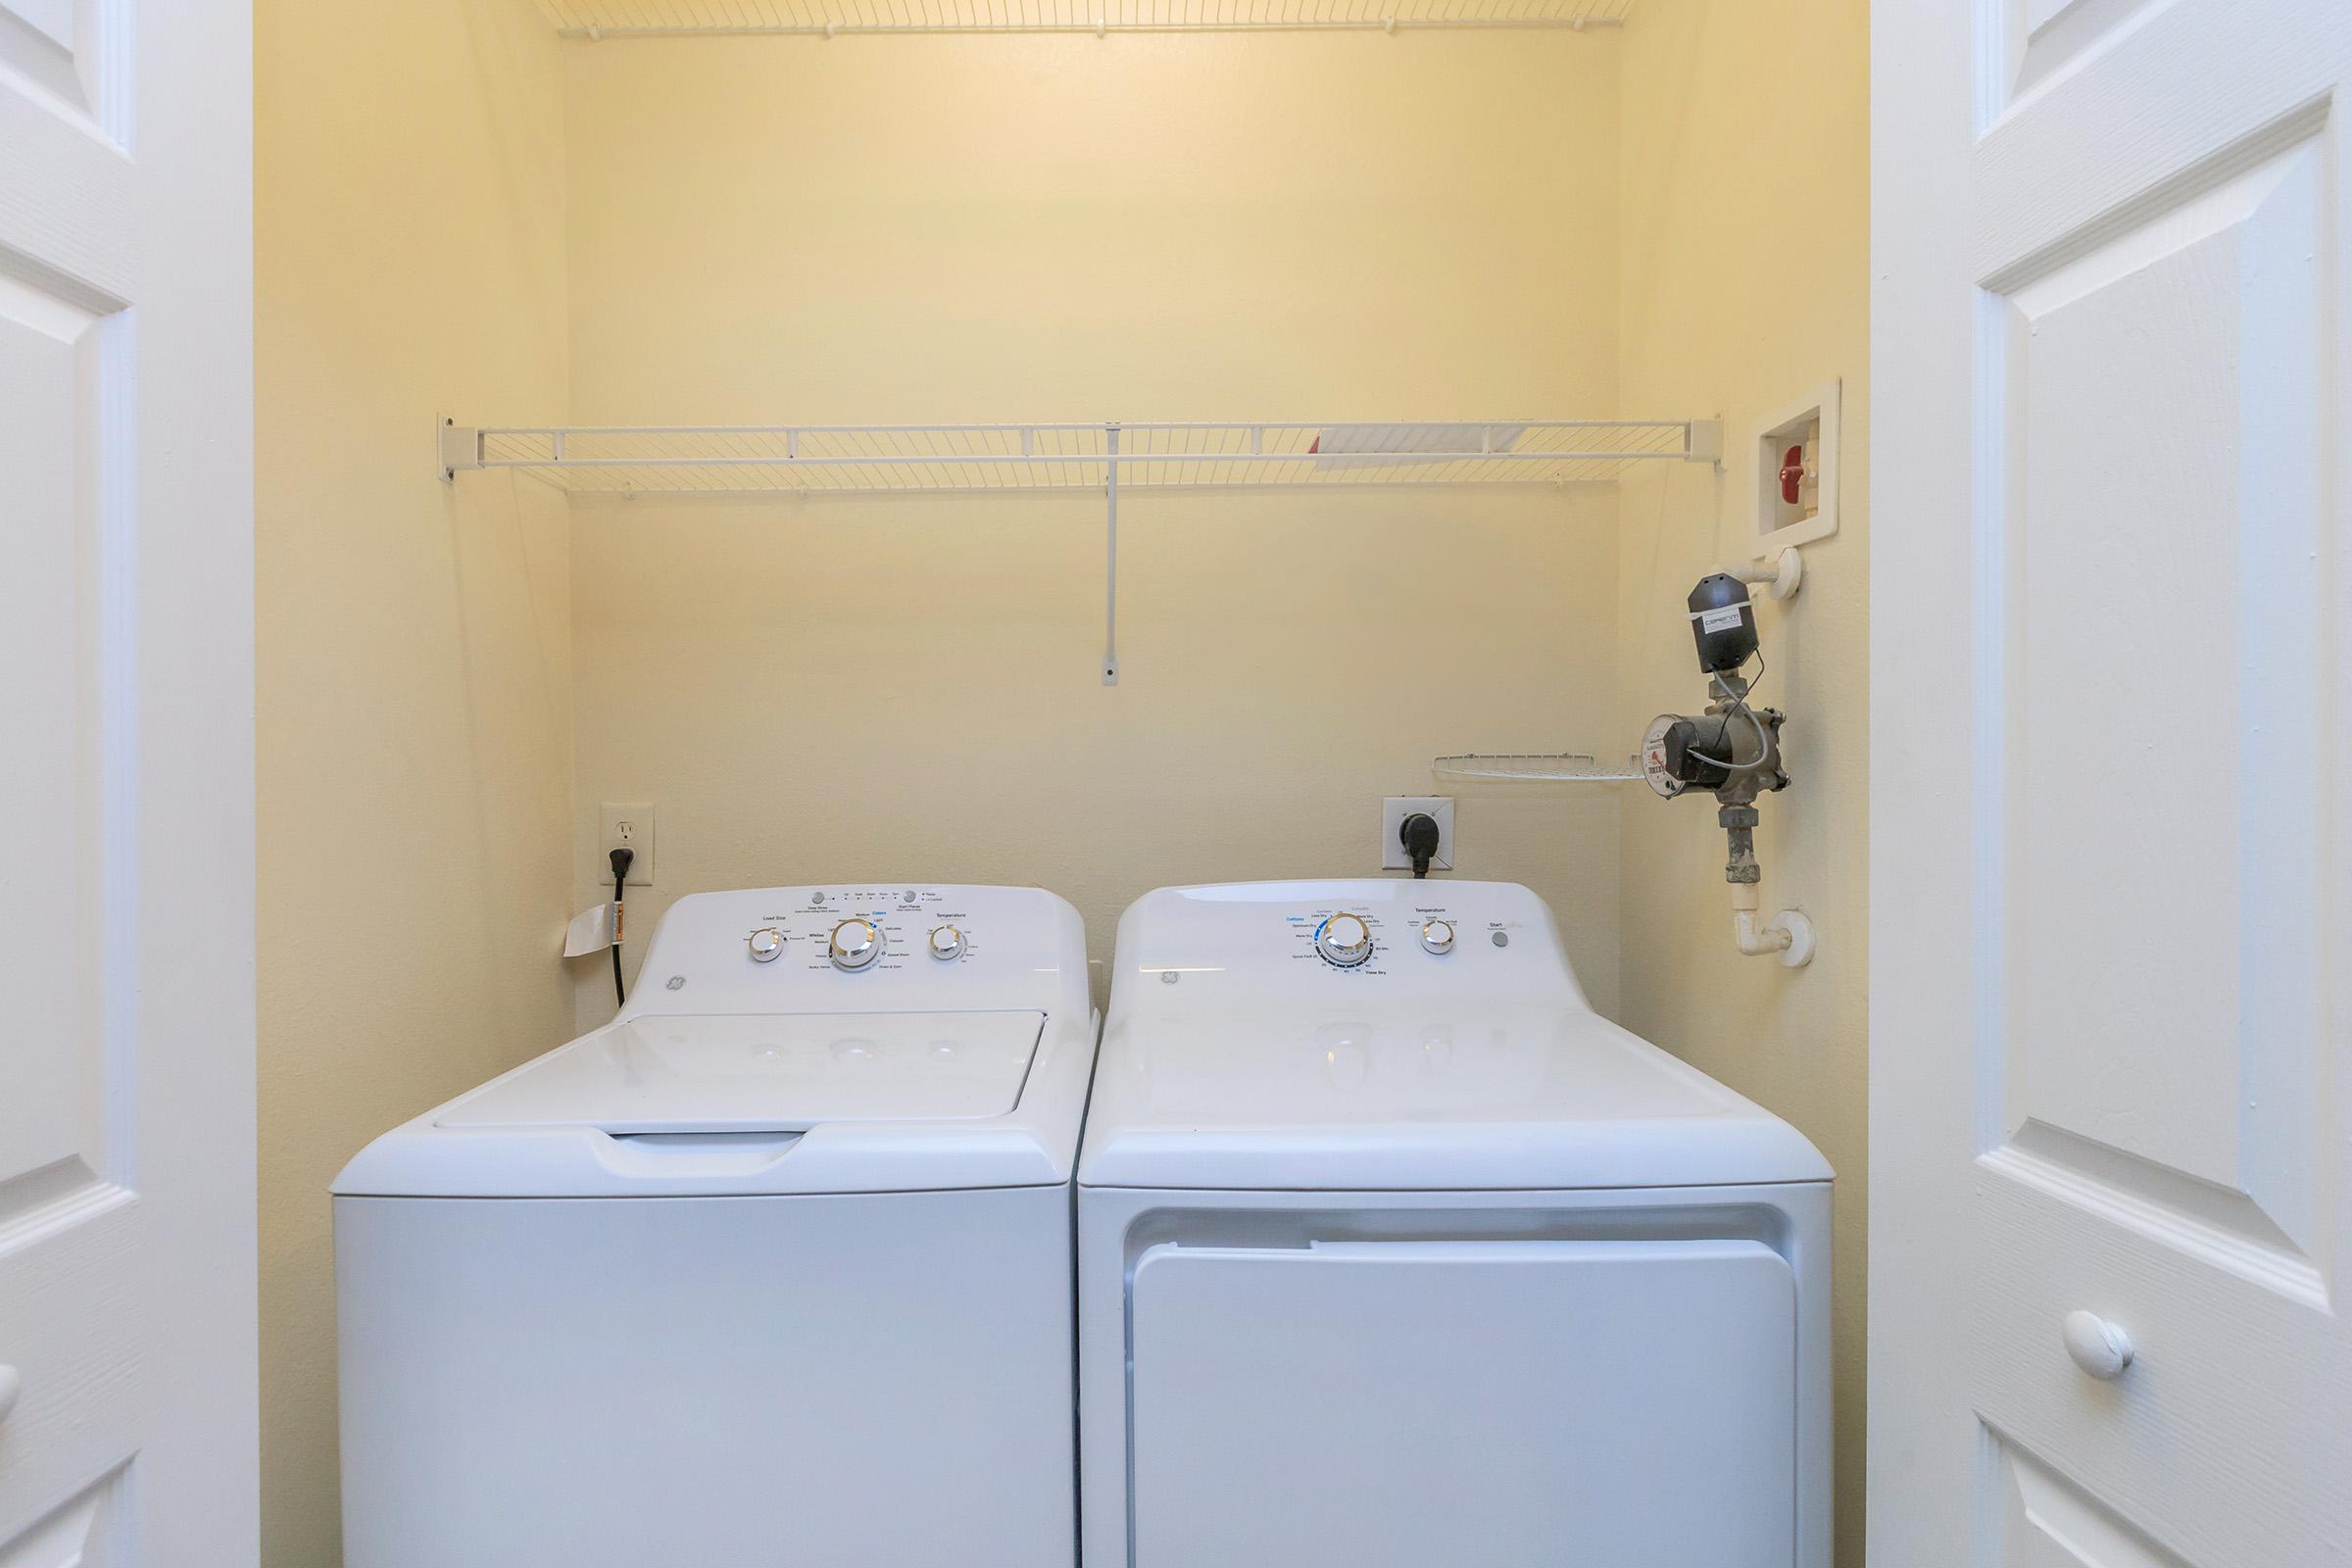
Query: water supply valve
x,y
1796,467
1731,751
1732,756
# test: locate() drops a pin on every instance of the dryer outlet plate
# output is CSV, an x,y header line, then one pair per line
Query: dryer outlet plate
x,y
1392,812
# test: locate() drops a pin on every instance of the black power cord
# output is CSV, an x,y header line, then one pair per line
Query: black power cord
x,y
621,880
1418,833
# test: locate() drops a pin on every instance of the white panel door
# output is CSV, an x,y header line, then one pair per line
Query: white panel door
x,y
2111,825
126,1225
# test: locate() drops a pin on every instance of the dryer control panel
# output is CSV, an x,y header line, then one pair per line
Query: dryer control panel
x,y
872,947
1288,941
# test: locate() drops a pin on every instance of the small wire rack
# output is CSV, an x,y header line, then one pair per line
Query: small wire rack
x,y
1568,767
649,19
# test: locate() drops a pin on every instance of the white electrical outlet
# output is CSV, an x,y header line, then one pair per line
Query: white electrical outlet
x,y
628,826
1392,812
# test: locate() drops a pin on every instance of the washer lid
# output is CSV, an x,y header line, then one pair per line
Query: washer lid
x,y
1418,1098
748,1073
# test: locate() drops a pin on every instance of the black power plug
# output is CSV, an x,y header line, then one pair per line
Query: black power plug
x,y
621,881
1418,833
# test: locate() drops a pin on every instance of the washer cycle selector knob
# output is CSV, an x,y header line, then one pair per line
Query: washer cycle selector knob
x,y
1438,936
766,944
947,942
1344,940
854,944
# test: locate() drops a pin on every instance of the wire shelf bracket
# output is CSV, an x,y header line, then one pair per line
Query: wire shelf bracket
x,y
1110,458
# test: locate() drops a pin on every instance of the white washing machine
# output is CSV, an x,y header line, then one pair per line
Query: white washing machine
x,y
775,1268
1392,1252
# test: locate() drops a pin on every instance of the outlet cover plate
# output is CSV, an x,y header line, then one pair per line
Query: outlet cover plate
x,y
630,823
1392,812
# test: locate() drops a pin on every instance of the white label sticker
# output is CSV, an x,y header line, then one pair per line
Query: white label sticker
x,y
1722,619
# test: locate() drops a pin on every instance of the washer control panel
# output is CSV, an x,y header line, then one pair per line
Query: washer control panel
x,y
856,930
869,947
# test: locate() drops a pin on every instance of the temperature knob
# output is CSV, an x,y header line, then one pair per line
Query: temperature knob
x,y
766,944
1344,940
854,944
1438,936
947,942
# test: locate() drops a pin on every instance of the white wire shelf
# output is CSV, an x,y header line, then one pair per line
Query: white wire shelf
x,y
645,19
1565,767
855,459
1109,459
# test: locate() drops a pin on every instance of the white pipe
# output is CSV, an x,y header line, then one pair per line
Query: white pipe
x,y
1753,942
1789,934
1784,573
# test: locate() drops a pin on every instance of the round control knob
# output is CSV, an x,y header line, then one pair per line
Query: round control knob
x,y
947,942
1344,940
1438,936
766,944
854,944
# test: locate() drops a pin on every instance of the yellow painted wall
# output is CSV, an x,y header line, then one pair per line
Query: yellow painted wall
x,y
921,229
1746,210
414,659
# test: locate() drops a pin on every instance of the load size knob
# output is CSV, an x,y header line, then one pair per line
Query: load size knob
x,y
766,944
854,944
1344,940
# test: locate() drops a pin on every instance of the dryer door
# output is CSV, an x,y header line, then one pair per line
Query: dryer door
x,y
1382,1405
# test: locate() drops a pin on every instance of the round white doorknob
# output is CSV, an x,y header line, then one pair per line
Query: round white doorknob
x,y
766,944
1344,940
1438,936
854,944
947,942
2100,1348
12,1384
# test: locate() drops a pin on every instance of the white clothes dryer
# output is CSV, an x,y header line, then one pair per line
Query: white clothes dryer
x,y
1392,1252
774,1268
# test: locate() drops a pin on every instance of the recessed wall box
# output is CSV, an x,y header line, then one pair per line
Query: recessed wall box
x,y
1794,451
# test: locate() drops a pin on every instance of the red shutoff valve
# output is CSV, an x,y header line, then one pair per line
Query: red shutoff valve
x,y
1793,473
